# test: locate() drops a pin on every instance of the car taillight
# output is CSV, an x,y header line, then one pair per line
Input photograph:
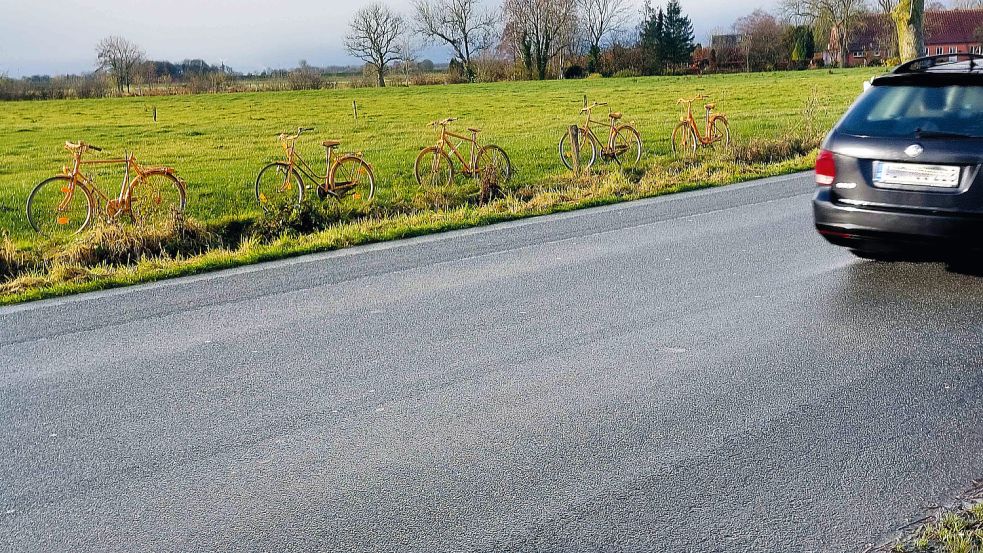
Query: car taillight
x,y
825,168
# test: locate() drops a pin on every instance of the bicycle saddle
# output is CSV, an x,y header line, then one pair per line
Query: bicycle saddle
x,y
474,130
616,115
710,106
331,143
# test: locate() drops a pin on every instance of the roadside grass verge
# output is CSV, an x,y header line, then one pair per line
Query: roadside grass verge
x,y
955,529
218,143
115,254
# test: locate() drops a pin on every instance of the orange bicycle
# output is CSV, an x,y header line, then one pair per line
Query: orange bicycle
x,y
434,167
687,136
65,204
623,144
348,176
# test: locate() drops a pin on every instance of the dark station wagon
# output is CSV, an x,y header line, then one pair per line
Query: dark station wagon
x,y
901,172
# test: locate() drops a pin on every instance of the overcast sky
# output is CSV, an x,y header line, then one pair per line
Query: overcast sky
x,y
59,36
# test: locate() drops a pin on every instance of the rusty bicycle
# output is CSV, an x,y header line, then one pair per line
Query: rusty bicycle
x,y
348,177
687,135
623,143
65,204
434,166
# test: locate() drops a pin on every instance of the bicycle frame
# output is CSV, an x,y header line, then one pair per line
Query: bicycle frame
x,y
444,144
590,124
120,203
705,137
297,163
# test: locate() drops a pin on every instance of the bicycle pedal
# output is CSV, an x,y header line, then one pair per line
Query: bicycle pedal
x,y
321,193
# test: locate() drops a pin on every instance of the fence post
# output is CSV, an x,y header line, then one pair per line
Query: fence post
x,y
575,146
355,111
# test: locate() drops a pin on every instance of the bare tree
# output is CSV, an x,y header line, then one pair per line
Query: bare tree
x,y
838,17
541,29
374,37
967,4
599,19
121,58
761,41
909,17
464,25
887,6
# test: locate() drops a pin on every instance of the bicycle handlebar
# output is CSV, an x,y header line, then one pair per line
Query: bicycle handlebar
x,y
594,105
691,100
300,131
81,146
443,123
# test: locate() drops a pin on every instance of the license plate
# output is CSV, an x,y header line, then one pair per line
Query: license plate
x,y
887,175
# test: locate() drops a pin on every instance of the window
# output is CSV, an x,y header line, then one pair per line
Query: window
x,y
877,53
858,54
953,50
902,111
938,51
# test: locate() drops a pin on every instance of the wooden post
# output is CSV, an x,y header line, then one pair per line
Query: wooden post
x,y
575,146
355,111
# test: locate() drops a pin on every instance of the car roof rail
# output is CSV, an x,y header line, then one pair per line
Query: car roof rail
x,y
948,63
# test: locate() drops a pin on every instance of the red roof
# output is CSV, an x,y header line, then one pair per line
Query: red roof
x,y
952,26
941,28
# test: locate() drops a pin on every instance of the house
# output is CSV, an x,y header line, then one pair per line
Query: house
x,y
946,32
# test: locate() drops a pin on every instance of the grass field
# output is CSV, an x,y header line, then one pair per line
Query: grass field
x,y
219,142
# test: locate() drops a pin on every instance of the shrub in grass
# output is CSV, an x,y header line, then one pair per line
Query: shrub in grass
x,y
490,187
290,219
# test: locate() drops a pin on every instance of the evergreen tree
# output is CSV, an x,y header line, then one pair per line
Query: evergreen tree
x,y
677,41
653,34
801,44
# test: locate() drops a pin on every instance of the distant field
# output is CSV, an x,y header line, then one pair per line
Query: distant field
x,y
218,142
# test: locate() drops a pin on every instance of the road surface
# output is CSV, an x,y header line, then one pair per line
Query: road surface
x,y
693,373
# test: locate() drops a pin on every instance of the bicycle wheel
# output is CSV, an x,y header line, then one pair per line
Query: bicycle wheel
x,y
433,167
156,198
274,188
684,139
352,180
55,208
627,146
720,131
588,150
493,163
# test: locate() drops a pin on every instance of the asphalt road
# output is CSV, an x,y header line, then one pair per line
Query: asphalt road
x,y
693,373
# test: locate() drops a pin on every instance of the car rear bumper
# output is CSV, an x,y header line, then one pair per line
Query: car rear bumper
x,y
862,227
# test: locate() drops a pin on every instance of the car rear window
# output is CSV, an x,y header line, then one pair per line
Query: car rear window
x,y
904,111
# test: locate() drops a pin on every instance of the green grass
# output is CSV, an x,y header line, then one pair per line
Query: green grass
x,y
218,143
954,530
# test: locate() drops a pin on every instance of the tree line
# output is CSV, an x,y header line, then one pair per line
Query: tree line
x,y
491,40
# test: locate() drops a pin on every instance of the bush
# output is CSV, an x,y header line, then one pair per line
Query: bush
x,y
627,74
574,72
288,219
594,76
305,77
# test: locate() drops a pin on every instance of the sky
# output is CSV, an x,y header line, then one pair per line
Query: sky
x,y
59,36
